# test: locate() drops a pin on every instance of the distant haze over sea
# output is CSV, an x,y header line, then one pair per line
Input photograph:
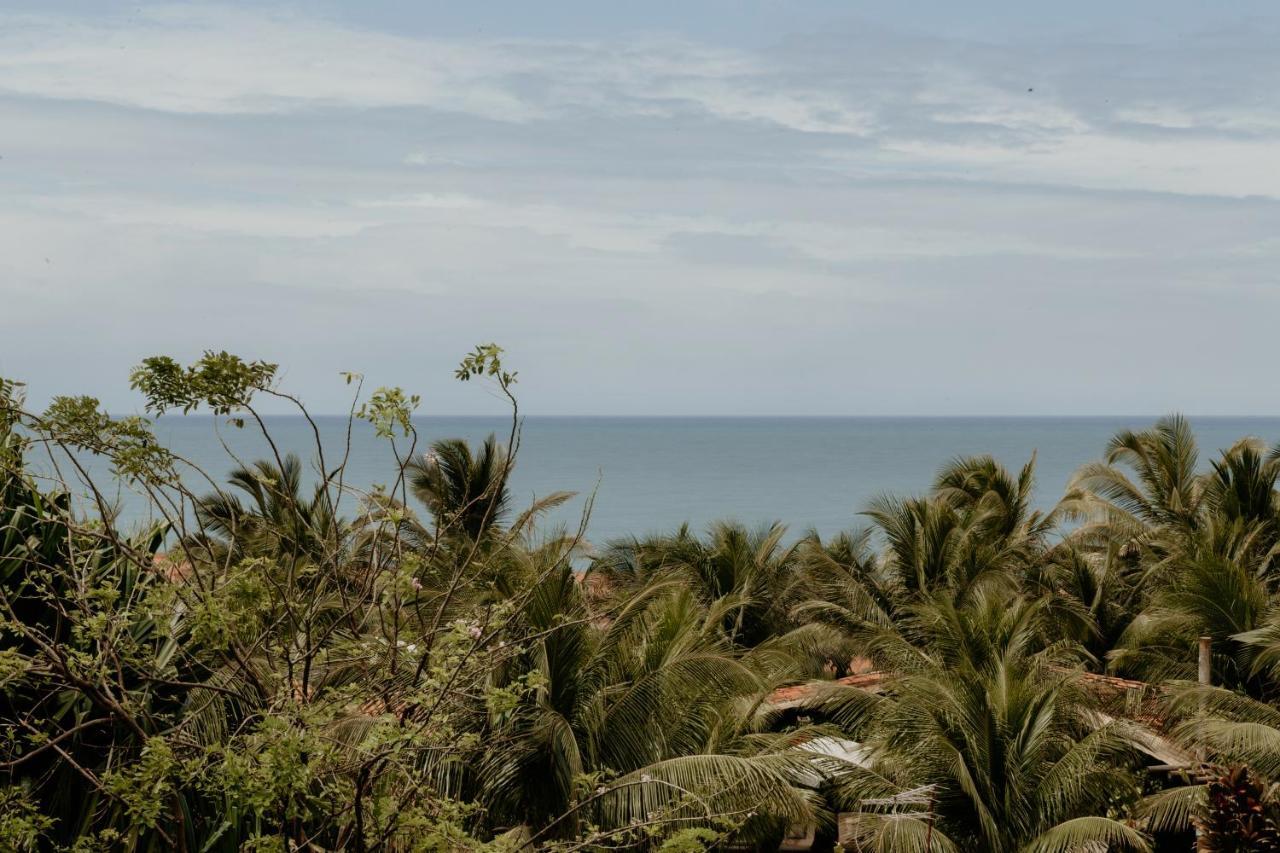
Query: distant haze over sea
x,y
655,473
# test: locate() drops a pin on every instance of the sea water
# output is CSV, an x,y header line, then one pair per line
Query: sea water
x,y
651,474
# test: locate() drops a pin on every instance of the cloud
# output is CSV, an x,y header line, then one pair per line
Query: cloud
x,y
649,223
221,60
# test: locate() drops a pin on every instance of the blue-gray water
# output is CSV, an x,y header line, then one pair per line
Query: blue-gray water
x,y
654,473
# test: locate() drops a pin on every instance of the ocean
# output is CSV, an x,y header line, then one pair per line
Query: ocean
x,y
653,473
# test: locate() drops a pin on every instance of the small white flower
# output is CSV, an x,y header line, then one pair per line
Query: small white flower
x,y
475,632
416,584
412,648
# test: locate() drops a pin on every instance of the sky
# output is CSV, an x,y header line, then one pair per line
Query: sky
x,y
662,208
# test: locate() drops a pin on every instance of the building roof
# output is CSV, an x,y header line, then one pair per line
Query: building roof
x,y
1124,698
786,697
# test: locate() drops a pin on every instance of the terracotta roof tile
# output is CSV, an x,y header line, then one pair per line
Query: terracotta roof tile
x,y
796,692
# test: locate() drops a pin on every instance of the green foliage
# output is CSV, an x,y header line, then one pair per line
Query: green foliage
x,y
146,786
268,771
287,664
22,824
692,840
235,610
485,360
223,382
389,408
80,423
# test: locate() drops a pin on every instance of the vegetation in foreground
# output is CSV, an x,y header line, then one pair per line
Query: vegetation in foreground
x,y
287,663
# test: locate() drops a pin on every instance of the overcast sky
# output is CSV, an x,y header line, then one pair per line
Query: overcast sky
x,y
672,208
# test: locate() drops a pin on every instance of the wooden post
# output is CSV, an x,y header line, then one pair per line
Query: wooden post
x,y
928,833
1205,674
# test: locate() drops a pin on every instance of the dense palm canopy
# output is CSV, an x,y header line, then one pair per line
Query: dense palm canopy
x,y
286,676
735,569
657,699
983,722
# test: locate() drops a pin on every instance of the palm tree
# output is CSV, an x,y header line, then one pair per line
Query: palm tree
x,y
747,573
1167,495
991,498
279,521
1240,498
1243,483
651,713
629,564
1095,594
984,740
844,587
1200,594
975,528
927,548
465,491
1185,553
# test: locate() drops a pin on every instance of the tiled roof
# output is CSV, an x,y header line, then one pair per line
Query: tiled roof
x,y
172,568
1093,678
784,696
1138,702
874,681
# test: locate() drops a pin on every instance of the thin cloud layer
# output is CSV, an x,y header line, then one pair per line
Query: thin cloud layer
x,y
857,219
